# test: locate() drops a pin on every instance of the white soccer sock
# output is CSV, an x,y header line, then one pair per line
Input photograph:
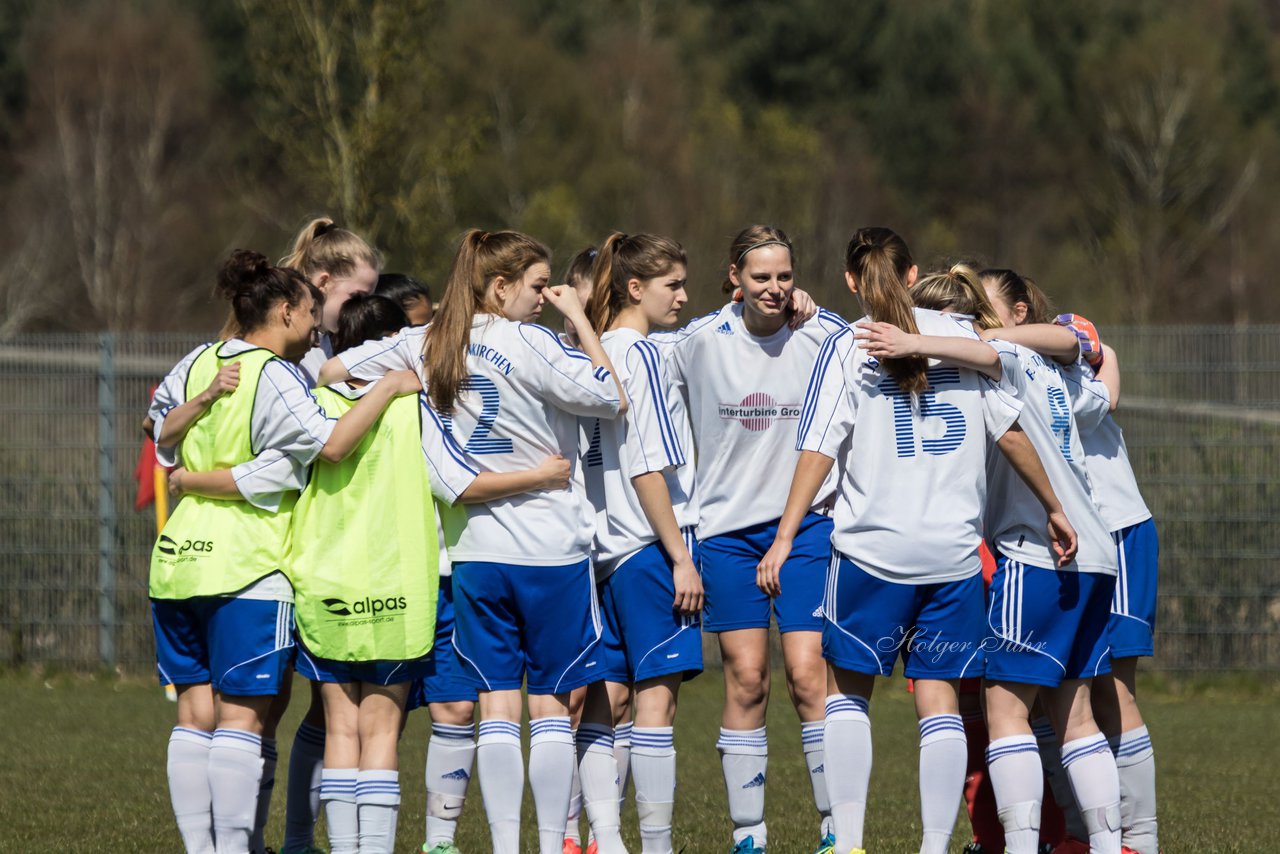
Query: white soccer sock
x,y
302,789
501,767
1096,783
1051,758
235,772
944,755
188,767
341,816
1013,764
622,753
598,773
551,758
744,756
811,743
378,806
847,742
450,754
1136,763
571,830
257,843
653,762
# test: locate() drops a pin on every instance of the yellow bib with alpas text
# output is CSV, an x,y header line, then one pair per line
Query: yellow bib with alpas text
x,y
213,547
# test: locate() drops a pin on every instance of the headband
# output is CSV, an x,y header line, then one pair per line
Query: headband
x,y
738,263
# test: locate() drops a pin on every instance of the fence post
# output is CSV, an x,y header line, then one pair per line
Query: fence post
x,y
106,501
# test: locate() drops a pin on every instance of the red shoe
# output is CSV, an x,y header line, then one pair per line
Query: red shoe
x,y
591,847
571,847
1071,845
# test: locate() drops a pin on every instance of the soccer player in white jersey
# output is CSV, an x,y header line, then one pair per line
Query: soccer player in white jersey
x,y
912,440
234,644
1092,373
1047,620
512,393
738,371
639,478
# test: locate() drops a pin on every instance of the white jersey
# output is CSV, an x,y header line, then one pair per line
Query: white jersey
x,y
912,467
1015,519
653,436
744,396
403,351
1106,458
519,405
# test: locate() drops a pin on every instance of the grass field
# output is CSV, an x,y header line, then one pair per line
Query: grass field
x,y
82,769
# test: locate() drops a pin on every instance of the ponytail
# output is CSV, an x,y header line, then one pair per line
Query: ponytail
x,y
621,259
879,260
253,287
481,257
322,247
960,290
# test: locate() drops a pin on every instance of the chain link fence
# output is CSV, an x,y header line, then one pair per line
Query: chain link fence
x,y
1200,409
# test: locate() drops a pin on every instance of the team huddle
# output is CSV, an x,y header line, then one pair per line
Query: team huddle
x,y
448,505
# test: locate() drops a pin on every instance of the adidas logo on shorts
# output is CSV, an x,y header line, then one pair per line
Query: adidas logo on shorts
x,y
460,774
725,328
755,782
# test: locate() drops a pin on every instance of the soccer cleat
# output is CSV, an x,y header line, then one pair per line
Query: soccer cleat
x,y
747,846
826,845
441,848
591,847
973,848
571,846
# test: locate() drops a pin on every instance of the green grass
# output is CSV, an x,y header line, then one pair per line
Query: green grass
x,y
82,769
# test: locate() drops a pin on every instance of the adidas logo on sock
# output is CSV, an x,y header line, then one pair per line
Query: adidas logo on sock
x,y
460,774
725,328
818,770
755,782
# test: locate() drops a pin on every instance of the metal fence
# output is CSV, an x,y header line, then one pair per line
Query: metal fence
x,y
1201,411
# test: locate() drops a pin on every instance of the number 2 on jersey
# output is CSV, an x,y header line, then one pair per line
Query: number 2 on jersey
x,y
904,424
481,442
1060,413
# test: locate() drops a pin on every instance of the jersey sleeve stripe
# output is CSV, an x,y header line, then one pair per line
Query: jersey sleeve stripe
x,y
653,363
568,351
812,394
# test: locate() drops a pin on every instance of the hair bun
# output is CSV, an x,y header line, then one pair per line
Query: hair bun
x,y
244,268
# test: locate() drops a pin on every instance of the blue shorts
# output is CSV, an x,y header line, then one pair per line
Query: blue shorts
x,y
642,636
243,647
445,679
728,564
1132,625
373,672
514,620
1045,626
937,629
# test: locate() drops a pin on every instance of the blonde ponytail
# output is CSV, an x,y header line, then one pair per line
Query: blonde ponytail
x,y
879,260
322,247
960,290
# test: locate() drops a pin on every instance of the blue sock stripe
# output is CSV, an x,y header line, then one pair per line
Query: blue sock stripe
x,y
654,736
1043,730
310,734
994,753
729,739
196,732
593,734
499,728
238,735
270,753
1134,747
544,726
622,732
370,788
935,723
453,731
811,733
846,703
1092,746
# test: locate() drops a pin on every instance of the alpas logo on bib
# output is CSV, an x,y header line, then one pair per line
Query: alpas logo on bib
x,y
365,607
758,411
169,546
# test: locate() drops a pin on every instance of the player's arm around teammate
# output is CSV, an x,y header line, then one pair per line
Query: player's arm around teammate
x,y
905,577
650,594
221,604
